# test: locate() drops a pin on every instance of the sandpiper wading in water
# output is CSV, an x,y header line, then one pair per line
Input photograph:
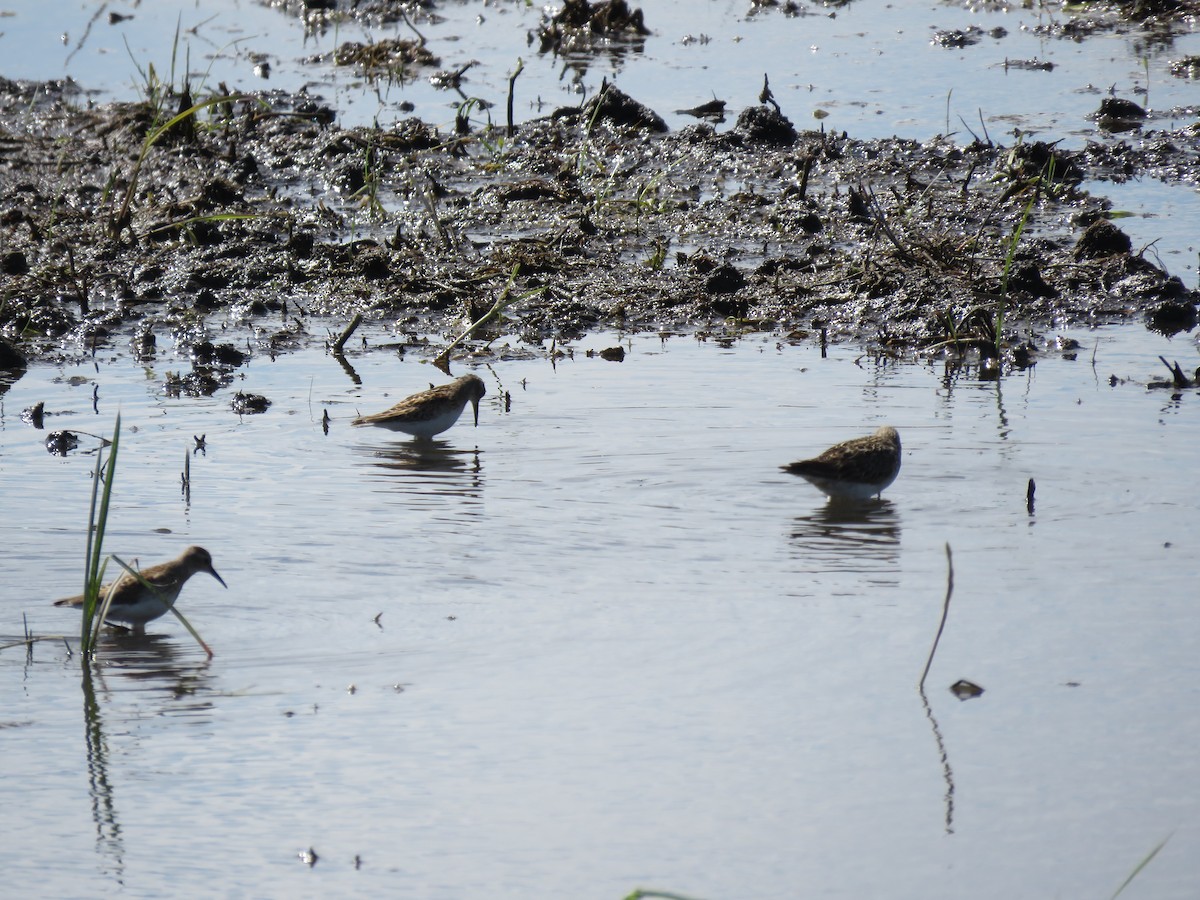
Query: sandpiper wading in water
x,y
854,470
430,412
134,604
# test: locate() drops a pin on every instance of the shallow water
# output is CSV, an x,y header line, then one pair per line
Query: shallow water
x,y
871,65
601,642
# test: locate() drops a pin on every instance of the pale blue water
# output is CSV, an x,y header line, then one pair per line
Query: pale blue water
x,y
870,65
617,647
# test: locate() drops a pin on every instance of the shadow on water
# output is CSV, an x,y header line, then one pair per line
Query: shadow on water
x,y
849,537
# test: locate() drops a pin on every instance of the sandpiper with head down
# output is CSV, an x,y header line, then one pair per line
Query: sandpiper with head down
x,y
134,603
854,470
430,412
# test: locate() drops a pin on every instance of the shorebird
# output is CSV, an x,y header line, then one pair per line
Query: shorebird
x,y
430,412
854,470
134,604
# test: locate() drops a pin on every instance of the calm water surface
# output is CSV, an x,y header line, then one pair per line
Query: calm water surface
x,y
601,642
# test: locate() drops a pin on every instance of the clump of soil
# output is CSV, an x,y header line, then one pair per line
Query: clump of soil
x,y
578,24
263,214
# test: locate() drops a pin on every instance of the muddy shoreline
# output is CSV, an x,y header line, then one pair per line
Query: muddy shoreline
x,y
256,213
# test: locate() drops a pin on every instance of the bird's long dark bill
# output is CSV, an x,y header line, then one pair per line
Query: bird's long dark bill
x,y
475,404
213,573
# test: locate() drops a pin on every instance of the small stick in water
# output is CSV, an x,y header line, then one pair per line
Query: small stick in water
x,y
945,613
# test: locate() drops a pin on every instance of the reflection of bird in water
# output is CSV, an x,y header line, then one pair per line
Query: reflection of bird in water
x,y
424,473
430,412
423,456
863,538
134,603
854,470
154,669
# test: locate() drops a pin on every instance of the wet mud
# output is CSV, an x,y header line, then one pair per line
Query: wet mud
x,y
256,212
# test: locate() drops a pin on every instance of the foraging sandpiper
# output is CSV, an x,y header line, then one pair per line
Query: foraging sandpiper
x,y
854,470
134,604
430,412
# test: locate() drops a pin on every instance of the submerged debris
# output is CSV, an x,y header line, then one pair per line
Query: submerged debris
x,y
1116,114
388,55
1178,380
958,37
35,415
60,443
249,404
965,690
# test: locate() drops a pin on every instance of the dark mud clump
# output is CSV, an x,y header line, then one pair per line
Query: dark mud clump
x,y
579,24
264,214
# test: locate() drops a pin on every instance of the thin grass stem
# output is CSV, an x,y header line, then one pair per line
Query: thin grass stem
x,y
1145,862
167,607
97,524
443,358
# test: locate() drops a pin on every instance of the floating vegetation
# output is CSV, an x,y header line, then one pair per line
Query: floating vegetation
x,y
389,56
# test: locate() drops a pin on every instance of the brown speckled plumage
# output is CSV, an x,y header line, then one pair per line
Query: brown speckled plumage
x,y
430,412
856,469
134,604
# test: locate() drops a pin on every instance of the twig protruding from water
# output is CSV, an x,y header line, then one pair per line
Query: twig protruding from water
x,y
345,336
512,81
945,613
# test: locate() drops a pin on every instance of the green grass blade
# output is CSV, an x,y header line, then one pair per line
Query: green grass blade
x,y
106,495
1145,862
150,140
186,624
102,605
192,631
90,565
97,524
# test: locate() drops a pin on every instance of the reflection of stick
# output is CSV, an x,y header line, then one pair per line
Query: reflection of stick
x,y
341,341
186,478
945,613
944,756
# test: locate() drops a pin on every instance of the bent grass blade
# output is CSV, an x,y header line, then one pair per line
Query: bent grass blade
x,y
134,573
